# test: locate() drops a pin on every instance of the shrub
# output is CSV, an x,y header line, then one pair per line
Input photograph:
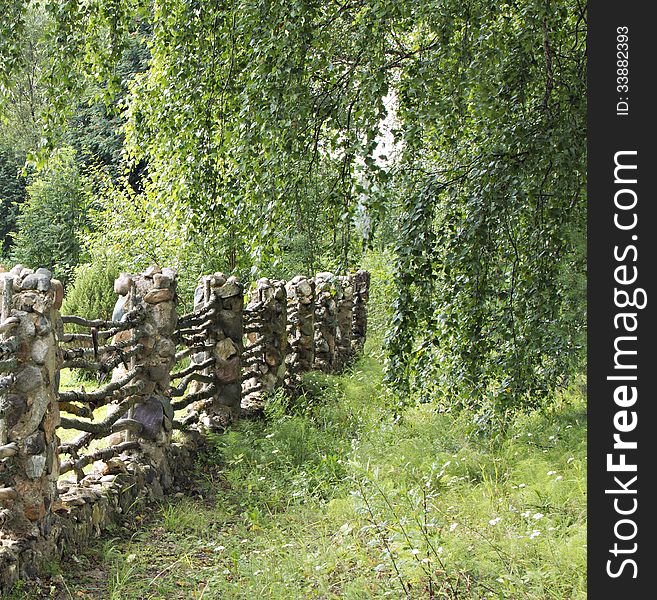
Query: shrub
x,y
92,293
52,217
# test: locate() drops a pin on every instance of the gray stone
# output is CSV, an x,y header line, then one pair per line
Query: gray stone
x,y
35,443
226,349
123,284
162,281
40,350
229,289
12,407
155,296
28,379
231,323
35,466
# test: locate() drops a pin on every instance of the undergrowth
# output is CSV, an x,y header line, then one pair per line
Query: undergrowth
x,y
335,498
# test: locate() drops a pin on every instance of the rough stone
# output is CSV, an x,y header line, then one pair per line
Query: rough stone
x,y
40,350
35,466
35,443
28,379
155,296
123,284
226,349
229,289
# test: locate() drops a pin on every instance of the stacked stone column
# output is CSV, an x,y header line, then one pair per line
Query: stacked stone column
x,y
150,419
326,321
300,356
266,340
224,343
360,282
29,415
345,302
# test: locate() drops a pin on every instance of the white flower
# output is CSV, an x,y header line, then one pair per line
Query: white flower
x,y
551,472
558,478
534,534
495,521
522,485
525,514
538,516
415,551
453,526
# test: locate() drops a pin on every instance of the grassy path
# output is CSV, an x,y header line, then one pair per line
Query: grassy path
x,y
339,501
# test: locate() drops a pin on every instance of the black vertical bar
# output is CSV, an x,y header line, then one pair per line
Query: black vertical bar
x,y
622,243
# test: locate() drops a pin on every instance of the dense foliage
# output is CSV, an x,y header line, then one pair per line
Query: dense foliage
x,y
272,138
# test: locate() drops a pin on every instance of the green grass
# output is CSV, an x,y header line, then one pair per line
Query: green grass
x,y
337,500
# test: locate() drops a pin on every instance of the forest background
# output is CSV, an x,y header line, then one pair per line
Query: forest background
x,y
440,144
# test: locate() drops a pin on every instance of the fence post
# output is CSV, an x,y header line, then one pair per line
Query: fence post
x,y
325,322
265,326
224,345
361,289
150,419
29,416
345,303
300,356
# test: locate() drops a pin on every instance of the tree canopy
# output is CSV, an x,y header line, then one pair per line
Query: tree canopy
x,y
249,136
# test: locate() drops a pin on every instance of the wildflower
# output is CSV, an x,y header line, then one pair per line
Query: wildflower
x,y
538,516
525,514
550,473
495,521
415,551
534,534
522,485
558,478
453,526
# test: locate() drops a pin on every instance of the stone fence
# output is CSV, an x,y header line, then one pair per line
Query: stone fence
x,y
161,381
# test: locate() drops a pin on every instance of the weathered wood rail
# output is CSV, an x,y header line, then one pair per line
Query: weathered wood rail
x,y
156,372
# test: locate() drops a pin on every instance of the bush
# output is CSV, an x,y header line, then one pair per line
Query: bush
x,y
52,217
92,293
